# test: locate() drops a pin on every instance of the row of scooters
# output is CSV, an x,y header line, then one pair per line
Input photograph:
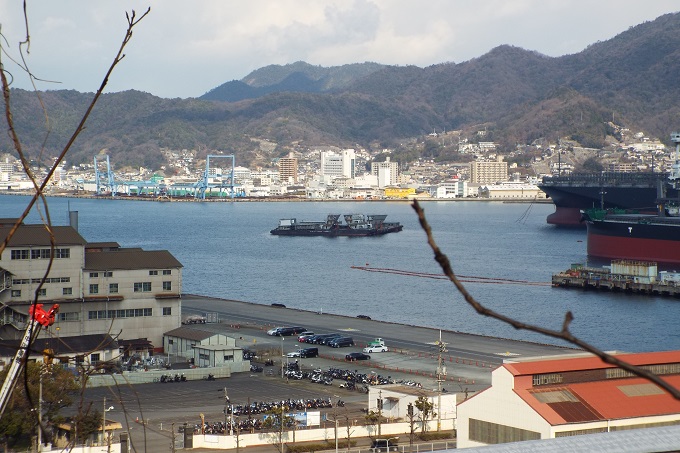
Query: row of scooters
x,y
165,378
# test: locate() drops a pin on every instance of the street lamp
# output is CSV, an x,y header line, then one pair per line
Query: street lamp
x,y
227,404
282,357
104,420
441,376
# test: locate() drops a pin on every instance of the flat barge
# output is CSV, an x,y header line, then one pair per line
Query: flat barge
x,y
354,225
626,276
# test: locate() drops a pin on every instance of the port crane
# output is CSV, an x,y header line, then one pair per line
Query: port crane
x,y
38,318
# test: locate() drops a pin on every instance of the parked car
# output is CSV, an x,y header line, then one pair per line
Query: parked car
x,y
309,352
371,349
385,445
293,354
363,317
278,305
340,342
352,356
302,338
321,338
275,331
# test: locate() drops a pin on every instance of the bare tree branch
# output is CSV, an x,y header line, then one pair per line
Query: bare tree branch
x,y
563,334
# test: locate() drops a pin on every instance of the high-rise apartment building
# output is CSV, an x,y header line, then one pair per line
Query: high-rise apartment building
x,y
488,172
288,169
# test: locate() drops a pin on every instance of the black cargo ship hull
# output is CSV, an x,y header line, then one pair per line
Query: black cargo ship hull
x,y
574,193
634,237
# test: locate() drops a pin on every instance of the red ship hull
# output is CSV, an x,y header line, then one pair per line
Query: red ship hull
x,y
634,237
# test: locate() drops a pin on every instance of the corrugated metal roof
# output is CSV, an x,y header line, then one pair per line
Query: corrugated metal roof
x,y
63,345
602,400
589,363
130,259
648,440
189,333
36,235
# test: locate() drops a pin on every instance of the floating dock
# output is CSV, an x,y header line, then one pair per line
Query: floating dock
x,y
623,275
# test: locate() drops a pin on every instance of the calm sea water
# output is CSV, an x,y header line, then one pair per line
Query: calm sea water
x,y
227,252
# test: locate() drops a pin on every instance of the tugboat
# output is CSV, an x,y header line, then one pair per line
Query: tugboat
x,y
354,225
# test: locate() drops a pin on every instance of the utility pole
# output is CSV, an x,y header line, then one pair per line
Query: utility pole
x,y
226,407
441,375
281,356
172,439
380,408
40,385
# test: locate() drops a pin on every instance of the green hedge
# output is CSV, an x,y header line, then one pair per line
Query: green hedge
x,y
302,448
437,435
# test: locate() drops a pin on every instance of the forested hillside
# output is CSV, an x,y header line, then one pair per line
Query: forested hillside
x,y
517,95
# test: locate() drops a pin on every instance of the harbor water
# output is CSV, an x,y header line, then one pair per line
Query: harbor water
x,y
505,254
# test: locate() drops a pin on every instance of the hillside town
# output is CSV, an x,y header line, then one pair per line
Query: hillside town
x,y
327,173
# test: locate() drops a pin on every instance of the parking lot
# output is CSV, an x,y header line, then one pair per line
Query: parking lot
x,y
148,411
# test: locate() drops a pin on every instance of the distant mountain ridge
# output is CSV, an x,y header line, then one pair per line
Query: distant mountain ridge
x,y
516,95
298,77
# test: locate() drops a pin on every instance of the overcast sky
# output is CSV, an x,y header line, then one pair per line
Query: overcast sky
x,y
185,48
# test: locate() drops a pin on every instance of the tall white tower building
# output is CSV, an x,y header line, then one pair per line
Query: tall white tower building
x,y
336,165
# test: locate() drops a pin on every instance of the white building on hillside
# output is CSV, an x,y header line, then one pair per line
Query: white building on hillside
x,y
338,165
386,172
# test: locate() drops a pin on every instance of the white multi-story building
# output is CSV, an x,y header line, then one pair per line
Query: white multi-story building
x,y
336,165
387,173
452,189
100,287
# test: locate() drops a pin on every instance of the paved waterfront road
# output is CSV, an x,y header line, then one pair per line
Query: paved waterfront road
x,y
467,356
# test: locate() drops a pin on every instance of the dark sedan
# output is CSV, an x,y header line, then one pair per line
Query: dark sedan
x,y
352,356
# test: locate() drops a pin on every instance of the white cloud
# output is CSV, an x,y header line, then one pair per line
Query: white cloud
x,y
183,49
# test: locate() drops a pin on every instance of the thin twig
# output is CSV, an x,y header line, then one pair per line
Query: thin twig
x,y
563,334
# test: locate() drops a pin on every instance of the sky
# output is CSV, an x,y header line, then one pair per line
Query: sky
x,y
184,49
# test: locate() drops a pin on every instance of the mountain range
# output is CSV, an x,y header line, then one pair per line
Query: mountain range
x,y
516,95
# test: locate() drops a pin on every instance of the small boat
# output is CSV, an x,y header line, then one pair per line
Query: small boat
x,y
354,225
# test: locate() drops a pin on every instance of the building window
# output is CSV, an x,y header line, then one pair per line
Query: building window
x,y
42,292
20,254
94,289
167,311
70,316
108,274
142,287
167,286
37,254
167,272
547,379
16,293
94,358
113,288
171,341
123,313
67,291
228,358
94,274
203,356
62,253
153,272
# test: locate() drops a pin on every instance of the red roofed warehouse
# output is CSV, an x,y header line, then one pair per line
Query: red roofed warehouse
x,y
545,399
